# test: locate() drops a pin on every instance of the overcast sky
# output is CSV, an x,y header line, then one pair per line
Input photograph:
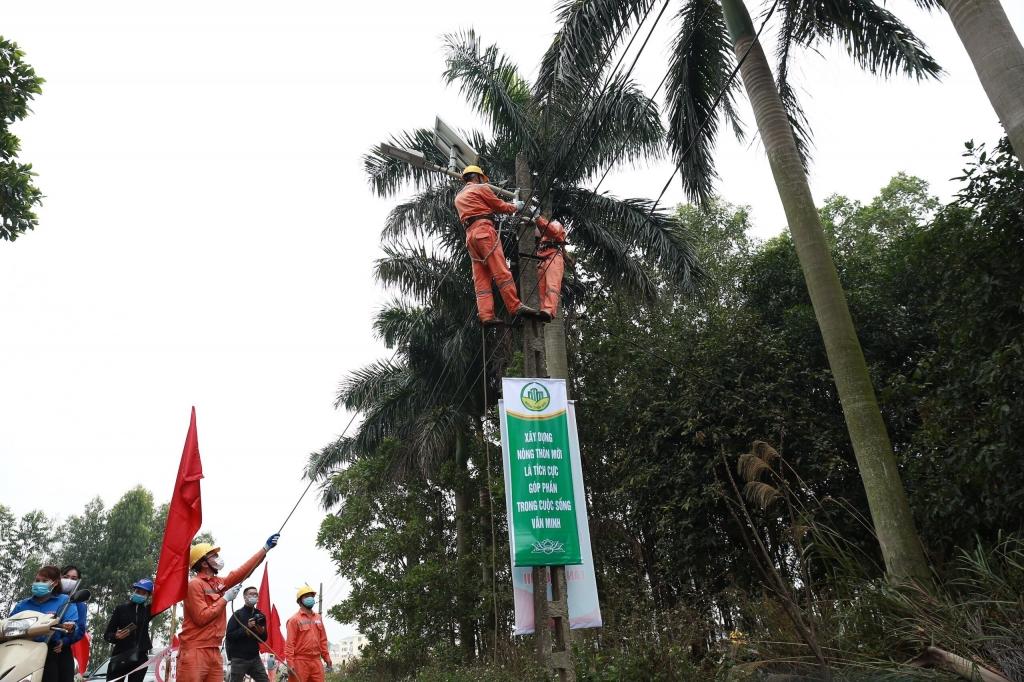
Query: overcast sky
x,y
207,236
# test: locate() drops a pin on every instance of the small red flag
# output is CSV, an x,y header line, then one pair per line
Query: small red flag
x,y
184,517
275,642
80,650
275,629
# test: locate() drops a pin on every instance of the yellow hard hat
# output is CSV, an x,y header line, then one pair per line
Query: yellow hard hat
x,y
474,169
199,551
305,589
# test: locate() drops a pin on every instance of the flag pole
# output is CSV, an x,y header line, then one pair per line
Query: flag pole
x,y
170,640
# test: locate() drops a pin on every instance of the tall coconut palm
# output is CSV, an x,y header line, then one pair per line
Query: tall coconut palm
x,y
998,58
713,35
568,135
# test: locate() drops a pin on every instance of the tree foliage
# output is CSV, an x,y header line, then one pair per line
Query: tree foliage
x,y
19,196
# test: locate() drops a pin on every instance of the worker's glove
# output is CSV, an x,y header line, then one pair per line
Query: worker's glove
x,y
330,667
519,203
272,542
232,592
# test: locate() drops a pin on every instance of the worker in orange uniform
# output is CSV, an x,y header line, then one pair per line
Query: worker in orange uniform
x,y
477,205
307,640
202,628
551,268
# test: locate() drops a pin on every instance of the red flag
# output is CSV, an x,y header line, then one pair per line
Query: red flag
x,y
275,642
184,517
275,629
80,650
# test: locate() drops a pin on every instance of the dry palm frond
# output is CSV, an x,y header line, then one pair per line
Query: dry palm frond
x,y
750,467
760,493
765,452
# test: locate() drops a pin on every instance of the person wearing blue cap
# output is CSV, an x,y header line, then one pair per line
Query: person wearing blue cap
x,y
128,631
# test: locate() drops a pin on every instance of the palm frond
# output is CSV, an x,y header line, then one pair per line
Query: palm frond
x,y
701,62
620,125
491,84
589,33
387,175
329,459
876,39
428,278
371,385
428,213
794,112
657,238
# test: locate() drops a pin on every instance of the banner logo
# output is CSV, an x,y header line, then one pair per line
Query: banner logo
x,y
535,397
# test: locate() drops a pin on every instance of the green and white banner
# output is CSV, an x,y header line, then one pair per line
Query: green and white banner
x,y
538,473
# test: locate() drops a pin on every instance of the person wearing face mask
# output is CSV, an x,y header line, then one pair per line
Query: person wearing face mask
x,y
307,640
128,631
247,629
207,596
70,579
48,598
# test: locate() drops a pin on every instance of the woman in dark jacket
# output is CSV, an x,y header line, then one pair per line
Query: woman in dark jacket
x,y
128,631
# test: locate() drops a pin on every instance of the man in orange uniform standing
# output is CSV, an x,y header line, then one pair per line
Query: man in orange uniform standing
x,y
203,626
551,268
477,204
307,640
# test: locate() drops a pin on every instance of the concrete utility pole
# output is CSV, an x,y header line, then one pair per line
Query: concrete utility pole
x,y
551,618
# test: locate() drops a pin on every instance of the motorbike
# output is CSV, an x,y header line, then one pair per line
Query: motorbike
x,y
21,657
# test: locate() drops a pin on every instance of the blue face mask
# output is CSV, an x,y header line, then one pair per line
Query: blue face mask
x,y
308,602
137,598
41,589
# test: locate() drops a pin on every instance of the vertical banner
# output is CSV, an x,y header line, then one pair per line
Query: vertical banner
x,y
538,473
581,581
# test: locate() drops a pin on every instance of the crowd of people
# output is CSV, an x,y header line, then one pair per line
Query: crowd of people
x,y
204,628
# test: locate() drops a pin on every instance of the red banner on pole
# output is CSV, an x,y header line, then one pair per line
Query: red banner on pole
x,y
275,641
184,517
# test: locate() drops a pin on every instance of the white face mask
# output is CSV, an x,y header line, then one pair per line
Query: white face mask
x,y
216,563
67,585
252,599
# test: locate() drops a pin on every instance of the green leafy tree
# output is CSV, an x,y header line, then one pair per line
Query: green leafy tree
x,y
19,84
714,35
391,540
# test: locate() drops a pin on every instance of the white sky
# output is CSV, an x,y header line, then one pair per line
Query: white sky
x,y
207,236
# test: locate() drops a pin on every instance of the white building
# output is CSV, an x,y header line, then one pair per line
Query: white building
x,y
347,648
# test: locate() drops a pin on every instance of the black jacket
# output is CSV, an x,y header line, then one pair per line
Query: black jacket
x,y
240,642
126,614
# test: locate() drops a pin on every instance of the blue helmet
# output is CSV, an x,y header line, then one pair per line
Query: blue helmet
x,y
144,584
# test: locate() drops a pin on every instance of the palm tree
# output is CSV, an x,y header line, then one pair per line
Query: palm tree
x,y
713,36
567,135
416,402
998,58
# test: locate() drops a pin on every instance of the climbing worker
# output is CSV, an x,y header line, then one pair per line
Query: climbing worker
x,y
128,631
307,640
203,626
550,251
477,205
247,629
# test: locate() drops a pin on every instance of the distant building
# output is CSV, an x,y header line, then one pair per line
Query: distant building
x,y
347,648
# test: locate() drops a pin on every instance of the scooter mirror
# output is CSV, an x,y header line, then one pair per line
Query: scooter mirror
x,y
80,596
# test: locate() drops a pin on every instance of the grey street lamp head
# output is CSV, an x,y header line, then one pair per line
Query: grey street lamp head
x,y
459,152
412,157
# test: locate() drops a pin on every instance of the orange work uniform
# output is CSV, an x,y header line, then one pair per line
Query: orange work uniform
x,y
306,645
472,202
203,626
551,267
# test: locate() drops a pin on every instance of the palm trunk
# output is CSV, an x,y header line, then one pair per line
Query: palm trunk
x,y
998,57
466,627
890,512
